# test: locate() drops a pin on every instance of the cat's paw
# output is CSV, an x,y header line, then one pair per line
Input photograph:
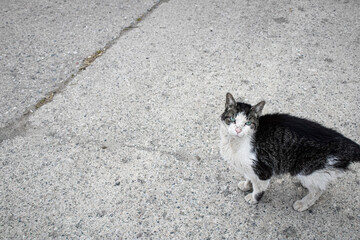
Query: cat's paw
x,y
245,186
249,198
300,206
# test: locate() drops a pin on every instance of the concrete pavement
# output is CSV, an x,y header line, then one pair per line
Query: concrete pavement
x,y
129,148
43,43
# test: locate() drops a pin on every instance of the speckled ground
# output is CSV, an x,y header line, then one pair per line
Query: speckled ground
x,y
130,148
44,42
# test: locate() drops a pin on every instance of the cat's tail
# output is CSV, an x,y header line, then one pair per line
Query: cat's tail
x,y
350,154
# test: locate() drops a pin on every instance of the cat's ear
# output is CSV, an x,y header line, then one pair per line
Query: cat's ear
x,y
257,109
230,101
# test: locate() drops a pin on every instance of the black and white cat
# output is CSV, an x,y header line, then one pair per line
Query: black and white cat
x,y
262,146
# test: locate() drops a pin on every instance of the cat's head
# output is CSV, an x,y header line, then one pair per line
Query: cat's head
x,y
241,119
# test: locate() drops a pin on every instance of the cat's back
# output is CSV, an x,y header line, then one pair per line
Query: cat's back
x,y
300,128
293,144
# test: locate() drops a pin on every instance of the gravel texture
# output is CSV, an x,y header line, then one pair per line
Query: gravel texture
x,y
129,149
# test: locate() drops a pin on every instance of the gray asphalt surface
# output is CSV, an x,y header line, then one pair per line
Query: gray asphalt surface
x,y
129,147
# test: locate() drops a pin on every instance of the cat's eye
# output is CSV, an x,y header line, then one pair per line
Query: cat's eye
x,y
232,119
248,123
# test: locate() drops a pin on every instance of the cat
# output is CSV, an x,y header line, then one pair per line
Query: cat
x,y
261,146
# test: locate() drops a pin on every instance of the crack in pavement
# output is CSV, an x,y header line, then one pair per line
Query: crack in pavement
x,y
18,126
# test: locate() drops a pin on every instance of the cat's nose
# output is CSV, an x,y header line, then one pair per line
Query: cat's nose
x,y
238,130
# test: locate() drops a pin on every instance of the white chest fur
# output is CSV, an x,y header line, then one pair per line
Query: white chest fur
x,y
237,152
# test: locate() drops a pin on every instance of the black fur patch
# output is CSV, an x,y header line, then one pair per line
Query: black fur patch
x,y
284,143
262,170
259,195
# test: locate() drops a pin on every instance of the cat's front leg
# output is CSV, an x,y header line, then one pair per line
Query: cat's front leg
x,y
259,187
245,186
